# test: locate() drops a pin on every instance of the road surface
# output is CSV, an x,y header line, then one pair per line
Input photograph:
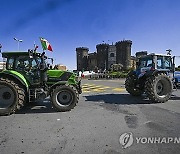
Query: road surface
x,y
104,113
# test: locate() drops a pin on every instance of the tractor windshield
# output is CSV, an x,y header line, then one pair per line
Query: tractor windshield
x,y
145,62
10,63
24,63
164,62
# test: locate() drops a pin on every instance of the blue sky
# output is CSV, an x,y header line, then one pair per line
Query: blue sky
x,y
152,25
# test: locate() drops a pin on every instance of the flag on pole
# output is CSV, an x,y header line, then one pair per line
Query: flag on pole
x,y
45,44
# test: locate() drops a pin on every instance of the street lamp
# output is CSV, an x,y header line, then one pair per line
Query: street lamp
x,y
18,41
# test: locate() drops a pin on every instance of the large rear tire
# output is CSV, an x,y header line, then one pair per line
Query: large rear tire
x,y
12,96
64,98
130,85
158,88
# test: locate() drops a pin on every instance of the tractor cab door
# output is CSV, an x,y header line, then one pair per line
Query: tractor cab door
x,y
145,64
28,67
164,62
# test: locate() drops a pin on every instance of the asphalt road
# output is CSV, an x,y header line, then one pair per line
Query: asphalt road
x,y
105,111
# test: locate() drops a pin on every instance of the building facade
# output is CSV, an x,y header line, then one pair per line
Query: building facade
x,y
141,53
102,56
82,58
2,65
106,56
111,56
92,61
123,53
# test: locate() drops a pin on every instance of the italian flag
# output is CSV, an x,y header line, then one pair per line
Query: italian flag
x,y
45,44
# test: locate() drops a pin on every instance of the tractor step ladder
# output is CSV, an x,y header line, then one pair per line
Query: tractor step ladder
x,y
32,95
35,93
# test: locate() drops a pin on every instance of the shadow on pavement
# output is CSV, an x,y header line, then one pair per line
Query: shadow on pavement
x,y
126,99
118,99
39,107
122,99
174,97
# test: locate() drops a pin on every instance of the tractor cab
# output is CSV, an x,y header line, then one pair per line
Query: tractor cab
x,y
154,62
25,64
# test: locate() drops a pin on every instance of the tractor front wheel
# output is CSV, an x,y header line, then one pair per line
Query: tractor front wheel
x,y
130,85
158,88
64,98
12,97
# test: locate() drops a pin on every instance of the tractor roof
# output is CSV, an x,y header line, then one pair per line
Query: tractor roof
x,y
153,54
164,55
15,54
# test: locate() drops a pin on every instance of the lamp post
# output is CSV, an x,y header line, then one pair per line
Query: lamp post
x,y
18,41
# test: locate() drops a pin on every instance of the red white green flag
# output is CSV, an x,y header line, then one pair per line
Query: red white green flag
x,y
45,44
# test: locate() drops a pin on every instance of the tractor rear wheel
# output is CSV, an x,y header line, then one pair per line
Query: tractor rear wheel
x,y
64,97
12,97
158,88
130,85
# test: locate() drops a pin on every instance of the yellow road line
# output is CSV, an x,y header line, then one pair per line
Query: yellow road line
x,y
102,88
86,91
118,89
98,90
107,87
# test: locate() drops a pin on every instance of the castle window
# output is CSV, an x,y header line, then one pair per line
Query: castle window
x,y
111,54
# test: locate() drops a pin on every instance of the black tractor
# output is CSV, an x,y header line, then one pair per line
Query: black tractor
x,y
153,76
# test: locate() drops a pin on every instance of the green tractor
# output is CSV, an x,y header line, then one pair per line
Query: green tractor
x,y
153,76
27,78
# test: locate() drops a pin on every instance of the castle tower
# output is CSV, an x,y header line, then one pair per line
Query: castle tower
x,y
92,61
123,53
102,56
111,55
82,58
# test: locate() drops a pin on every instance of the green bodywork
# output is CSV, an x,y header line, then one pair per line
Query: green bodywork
x,y
57,74
15,74
54,73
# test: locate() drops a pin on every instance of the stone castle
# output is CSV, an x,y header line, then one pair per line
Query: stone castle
x,y
106,56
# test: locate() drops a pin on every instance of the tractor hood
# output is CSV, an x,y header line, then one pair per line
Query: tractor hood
x,y
59,75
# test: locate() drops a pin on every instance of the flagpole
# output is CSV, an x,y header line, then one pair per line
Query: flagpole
x,y
41,43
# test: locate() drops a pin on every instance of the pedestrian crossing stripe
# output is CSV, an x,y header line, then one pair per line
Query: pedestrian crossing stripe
x,y
86,88
106,87
98,90
118,89
86,91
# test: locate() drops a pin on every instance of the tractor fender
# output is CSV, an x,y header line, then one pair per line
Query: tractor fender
x,y
148,74
159,71
155,72
131,72
17,77
56,84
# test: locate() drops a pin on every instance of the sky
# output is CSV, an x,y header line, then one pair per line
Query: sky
x,y
152,25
